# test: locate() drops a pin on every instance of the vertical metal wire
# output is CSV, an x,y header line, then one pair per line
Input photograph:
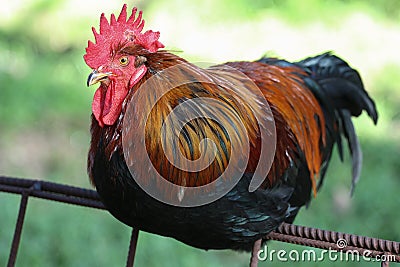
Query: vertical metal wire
x,y
132,248
18,229
286,232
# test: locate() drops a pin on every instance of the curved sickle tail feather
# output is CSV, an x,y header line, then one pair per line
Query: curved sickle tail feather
x,y
342,95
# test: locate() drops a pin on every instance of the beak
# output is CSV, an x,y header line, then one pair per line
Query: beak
x,y
96,77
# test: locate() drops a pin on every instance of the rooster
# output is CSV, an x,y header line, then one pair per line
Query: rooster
x,y
305,107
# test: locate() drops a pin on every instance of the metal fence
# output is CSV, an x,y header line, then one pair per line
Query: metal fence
x,y
384,251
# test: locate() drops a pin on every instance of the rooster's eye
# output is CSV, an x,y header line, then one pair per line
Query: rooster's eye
x,y
124,61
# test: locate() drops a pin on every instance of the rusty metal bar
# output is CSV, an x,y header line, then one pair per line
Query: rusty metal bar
x,y
132,248
318,238
289,233
52,191
18,226
385,264
57,192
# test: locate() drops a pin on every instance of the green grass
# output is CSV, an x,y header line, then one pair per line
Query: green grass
x,y
44,131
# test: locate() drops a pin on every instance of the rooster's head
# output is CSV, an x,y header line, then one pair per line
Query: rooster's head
x,y
116,69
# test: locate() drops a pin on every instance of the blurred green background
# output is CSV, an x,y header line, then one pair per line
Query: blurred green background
x,y
45,109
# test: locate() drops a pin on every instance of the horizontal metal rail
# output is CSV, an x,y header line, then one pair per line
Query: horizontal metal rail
x,y
366,246
52,191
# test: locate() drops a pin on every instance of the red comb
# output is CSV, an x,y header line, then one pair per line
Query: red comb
x,y
119,32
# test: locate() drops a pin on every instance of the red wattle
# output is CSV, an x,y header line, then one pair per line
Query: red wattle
x,y
97,105
115,95
107,102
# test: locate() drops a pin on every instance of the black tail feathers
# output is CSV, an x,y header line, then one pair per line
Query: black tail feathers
x,y
342,95
340,83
